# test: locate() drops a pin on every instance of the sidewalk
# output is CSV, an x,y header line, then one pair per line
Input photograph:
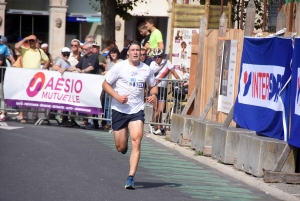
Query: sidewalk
x,y
286,192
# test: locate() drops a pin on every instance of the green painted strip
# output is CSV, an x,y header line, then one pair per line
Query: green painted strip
x,y
223,194
219,189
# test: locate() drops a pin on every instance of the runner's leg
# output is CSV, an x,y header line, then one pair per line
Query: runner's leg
x,y
136,129
121,139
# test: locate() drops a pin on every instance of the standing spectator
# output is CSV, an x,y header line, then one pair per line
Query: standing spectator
x,y
114,56
75,54
125,49
125,83
89,63
44,47
31,58
2,72
161,68
144,57
101,58
110,44
155,40
144,32
63,65
89,39
5,50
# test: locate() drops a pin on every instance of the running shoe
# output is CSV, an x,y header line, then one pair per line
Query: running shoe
x,y
126,149
130,183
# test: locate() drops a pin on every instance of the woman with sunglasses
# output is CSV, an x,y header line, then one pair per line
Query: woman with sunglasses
x,y
161,68
63,65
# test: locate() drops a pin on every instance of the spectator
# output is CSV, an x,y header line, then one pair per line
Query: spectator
x,y
2,72
144,57
101,58
38,43
89,39
110,44
63,65
161,68
89,63
125,49
75,54
115,57
31,58
144,32
6,51
44,47
155,40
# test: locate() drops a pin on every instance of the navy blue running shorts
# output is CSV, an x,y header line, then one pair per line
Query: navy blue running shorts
x,y
121,120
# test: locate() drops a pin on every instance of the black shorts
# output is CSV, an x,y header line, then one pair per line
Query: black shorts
x,y
162,94
121,120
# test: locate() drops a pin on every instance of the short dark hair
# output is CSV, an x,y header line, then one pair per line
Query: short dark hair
x,y
134,43
142,26
115,50
151,20
109,41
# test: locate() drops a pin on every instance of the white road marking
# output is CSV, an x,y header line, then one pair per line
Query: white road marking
x,y
4,125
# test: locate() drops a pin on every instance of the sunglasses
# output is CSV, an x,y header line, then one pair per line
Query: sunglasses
x,y
156,57
66,54
74,45
31,41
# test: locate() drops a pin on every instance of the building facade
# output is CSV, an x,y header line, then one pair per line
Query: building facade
x,y
57,22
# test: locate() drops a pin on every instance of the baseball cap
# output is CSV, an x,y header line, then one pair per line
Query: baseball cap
x,y
44,45
3,39
65,49
96,44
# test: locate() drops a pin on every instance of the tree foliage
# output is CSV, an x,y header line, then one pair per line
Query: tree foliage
x,y
109,9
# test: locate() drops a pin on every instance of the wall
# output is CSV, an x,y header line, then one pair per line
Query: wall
x,y
28,4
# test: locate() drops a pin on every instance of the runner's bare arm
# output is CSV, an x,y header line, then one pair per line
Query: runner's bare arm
x,y
121,98
153,91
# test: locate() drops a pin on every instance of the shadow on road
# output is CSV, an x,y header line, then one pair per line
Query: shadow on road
x,y
155,185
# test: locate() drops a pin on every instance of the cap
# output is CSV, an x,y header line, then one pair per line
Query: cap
x,y
95,44
65,49
44,45
3,39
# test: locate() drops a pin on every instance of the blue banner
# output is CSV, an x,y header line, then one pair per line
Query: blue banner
x,y
83,19
263,86
295,97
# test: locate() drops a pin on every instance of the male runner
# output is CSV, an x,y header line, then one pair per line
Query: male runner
x,y
125,83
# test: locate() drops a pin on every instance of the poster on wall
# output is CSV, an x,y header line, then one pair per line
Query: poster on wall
x,y
181,52
227,76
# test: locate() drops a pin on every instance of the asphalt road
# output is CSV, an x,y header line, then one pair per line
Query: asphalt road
x,y
46,163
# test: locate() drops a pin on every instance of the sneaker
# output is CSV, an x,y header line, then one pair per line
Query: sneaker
x,y
157,132
89,126
66,123
151,128
130,183
126,148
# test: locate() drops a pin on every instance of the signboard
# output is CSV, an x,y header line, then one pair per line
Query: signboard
x,y
181,53
83,19
49,89
227,76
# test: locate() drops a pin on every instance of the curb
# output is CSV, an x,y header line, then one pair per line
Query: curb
x,y
228,170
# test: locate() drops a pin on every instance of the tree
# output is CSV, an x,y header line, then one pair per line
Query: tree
x,y
109,9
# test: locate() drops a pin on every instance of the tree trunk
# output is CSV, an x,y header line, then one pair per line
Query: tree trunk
x,y
108,14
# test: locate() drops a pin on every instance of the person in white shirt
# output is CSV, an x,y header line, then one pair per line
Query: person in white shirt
x,y
161,68
125,83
